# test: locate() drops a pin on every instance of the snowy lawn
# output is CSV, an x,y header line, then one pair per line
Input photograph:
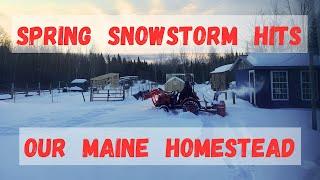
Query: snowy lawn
x,y
69,110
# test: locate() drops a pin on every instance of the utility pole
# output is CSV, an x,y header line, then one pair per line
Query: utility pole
x,y
313,54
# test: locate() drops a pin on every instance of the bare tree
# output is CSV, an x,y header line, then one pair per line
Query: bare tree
x,y
4,38
307,7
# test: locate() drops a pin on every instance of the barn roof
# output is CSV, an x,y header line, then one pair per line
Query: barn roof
x,y
280,59
222,69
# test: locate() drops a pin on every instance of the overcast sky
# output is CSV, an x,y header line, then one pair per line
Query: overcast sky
x,y
131,6
63,7
53,7
141,7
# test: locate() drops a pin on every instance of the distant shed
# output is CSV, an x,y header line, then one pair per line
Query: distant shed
x,y
174,84
111,79
221,77
79,85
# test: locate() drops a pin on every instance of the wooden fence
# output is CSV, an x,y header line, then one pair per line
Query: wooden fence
x,y
107,95
12,90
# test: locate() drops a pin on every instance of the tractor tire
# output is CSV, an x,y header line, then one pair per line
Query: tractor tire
x,y
191,106
164,108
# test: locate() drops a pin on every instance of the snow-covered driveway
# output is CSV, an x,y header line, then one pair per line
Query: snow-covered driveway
x,y
69,110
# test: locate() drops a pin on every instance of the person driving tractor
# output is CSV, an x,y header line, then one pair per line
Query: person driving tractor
x,y
187,92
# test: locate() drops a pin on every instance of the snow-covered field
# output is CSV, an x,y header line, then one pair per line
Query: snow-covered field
x,y
69,110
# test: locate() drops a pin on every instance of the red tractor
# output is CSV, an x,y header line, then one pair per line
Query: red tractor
x,y
186,100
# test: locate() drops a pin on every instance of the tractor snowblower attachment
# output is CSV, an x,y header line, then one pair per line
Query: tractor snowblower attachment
x,y
140,95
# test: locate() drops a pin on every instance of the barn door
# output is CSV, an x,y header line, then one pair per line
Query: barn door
x,y
252,85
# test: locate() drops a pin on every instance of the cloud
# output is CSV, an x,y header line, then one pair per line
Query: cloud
x,y
7,10
125,7
156,7
190,8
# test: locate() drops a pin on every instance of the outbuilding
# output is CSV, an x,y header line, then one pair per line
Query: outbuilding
x,y
102,81
174,84
270,80
79,85
221,77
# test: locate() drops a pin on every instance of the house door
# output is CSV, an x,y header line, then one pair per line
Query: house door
x,y
252,84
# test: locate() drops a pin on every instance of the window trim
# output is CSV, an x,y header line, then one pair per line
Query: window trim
x,y
303,71
271,81
315,76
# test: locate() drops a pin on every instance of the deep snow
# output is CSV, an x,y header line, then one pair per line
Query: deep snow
x,y
69,110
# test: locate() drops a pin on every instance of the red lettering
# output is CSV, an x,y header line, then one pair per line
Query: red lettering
x,y
90,149
216,148
174,147
285,151
84,36
229,37
273,148
172,34
261,35
257,146
202,149
156,35
295,35
113,34
127,35
30,143
243,142
22,33
107,149
50,33
141,147
35,34
213,35
58,146
202,31
185,33
230,146
70,35
186,147
141,31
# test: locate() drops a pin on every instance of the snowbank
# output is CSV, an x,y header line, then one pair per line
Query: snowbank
x,y
69,110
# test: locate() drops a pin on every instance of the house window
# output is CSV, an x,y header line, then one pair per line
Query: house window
x,y
279,85
305,85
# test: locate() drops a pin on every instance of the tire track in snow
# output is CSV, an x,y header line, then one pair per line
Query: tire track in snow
x,y
237,172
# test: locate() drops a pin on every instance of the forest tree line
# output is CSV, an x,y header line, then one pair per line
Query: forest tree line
x,y
52,68
49,68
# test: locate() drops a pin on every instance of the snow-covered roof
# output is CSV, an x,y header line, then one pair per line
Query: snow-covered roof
x,y
175,78
223,68
79,81
105,76
280,59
